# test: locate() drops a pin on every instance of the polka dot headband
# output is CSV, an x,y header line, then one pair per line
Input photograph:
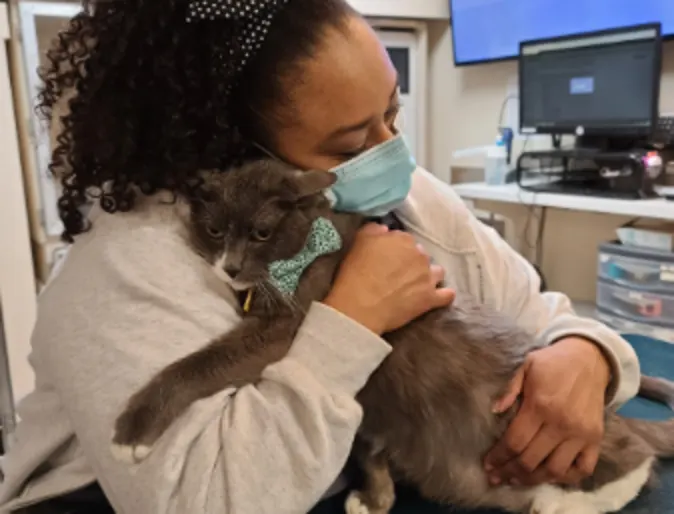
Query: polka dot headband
x,y
255,17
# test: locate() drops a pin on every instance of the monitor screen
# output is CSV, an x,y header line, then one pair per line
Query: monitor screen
x,y
600,83
487,30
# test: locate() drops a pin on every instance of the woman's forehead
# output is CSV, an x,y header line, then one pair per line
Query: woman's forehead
x,y
349,80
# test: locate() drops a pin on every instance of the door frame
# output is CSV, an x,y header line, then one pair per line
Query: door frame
x,y
419,80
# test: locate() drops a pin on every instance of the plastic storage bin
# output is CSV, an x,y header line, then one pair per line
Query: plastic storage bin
x,y
625,326
637,267
638,305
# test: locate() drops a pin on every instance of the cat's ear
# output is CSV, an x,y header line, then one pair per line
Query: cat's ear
x,y
312,182
208,187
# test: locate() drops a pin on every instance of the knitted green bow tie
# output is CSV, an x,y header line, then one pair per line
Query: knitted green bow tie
x,y
323,240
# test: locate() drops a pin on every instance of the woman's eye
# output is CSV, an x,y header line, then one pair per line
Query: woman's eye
x,y
261,234
348,155
215,233
395,126
352,154
393,119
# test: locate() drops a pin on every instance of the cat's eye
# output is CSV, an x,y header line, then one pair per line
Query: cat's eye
x,y
261,234
214,233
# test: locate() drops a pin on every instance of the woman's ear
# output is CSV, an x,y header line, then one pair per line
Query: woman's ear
x,y
312,182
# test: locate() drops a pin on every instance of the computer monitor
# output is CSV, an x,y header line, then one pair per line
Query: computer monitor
x,y
593,84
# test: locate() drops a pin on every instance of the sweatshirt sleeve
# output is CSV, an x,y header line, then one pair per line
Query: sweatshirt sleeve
x,y
116,315
510,284
516,287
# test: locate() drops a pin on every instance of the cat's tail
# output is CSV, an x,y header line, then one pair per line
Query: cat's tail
x,y
657,389
658,434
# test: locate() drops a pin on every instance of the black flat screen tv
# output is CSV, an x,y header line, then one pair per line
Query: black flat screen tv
x,y
492,30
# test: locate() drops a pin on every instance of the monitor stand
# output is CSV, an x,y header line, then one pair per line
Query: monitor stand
x,y
606,167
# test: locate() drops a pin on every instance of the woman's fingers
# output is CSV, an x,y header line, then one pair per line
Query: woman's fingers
x,y
386,281
514,391
437,274
522,430
372,229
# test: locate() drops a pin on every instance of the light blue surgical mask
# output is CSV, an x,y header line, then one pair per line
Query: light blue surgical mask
x,y
375,182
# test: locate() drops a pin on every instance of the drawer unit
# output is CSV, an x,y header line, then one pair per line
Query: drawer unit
x,y
625,326
639,305
637,267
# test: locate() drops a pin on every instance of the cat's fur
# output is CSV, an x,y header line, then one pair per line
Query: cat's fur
x,y
428,417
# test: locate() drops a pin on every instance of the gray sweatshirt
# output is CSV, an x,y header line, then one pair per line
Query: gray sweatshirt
x,y
132,297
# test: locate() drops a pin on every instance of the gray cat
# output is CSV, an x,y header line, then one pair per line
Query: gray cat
x,y
428,417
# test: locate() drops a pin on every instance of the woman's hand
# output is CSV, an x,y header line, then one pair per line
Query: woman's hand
x,y
556,434
386,281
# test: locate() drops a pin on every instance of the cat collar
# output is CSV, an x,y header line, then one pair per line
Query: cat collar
x,y
323,239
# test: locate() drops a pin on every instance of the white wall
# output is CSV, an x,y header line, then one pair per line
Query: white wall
x,y
464,109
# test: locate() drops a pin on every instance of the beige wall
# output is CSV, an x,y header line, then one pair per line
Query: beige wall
x,y
464,105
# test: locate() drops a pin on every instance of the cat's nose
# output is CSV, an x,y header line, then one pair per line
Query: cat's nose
x,y
232,270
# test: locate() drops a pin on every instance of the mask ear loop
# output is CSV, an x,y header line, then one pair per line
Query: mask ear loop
x,y
257,145
266,152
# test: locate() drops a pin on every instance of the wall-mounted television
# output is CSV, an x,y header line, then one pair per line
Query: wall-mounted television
x,y
491,30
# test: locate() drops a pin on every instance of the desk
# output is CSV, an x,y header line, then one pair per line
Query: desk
x,y
657,208
566,248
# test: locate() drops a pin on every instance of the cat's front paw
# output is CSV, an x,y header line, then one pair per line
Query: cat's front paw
x,y
357,504
139,427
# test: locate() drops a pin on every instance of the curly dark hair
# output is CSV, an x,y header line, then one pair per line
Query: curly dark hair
x,y
156,99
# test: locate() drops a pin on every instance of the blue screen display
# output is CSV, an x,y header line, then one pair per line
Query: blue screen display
x,y
493,29
581,86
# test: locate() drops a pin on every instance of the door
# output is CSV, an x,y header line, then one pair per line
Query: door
x,y
402,47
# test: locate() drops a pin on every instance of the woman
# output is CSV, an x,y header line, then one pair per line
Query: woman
x,y
164,89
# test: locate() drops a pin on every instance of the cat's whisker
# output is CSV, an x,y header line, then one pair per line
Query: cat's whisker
x,y
288,300
269,299
297,306
279,299
269,295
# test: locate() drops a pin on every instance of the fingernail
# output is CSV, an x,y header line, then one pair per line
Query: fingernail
x,y
488,467
515,482
494,480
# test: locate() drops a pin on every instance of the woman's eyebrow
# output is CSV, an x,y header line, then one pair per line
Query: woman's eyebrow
x,y
361,125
